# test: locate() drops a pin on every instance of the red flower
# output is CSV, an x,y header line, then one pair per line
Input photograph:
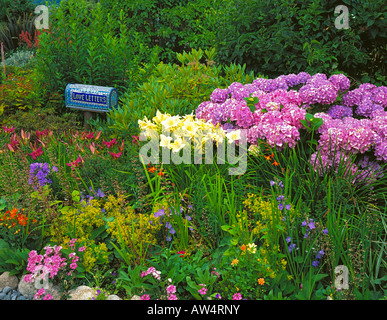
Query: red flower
x,y
75,163
41,133
135,140
110,143
6,129
90,136
36,153
115,155
182,253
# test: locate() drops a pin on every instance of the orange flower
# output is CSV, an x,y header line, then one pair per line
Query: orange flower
x,y
160,174
243,247
152,169
261,281
234,262
13,213
275,163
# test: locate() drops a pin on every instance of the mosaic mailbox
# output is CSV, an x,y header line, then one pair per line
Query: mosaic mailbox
x,y
90,98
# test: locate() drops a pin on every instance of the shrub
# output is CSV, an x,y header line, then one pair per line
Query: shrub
x,y
83,47
173,26
14,8
279,37
20,91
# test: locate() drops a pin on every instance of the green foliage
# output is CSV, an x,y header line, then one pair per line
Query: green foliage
x,y
280,37
176,89
86,44
12,260
172,25
15,8
20,91
39,118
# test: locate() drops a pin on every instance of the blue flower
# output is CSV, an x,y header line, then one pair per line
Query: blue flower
x,y
287,207
315,263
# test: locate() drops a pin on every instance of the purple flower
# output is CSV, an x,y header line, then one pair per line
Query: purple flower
x,y
219,95
338,112
315,263
340,81
159,213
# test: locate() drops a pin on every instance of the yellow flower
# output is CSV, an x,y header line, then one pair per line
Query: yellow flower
x,y
234,262
261,281
252,248
233,136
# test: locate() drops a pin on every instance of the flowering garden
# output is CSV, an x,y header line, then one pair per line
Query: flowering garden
x,y
80,205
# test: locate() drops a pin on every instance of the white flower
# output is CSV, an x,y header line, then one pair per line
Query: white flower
x,y
233,136
165,141
177,145
170,123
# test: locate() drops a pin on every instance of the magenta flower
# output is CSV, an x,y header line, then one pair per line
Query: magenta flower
x,y
237,296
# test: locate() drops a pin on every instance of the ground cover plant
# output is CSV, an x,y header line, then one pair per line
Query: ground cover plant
x,y
208,182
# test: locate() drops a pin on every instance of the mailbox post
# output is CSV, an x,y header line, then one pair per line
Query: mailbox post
x,y
90,99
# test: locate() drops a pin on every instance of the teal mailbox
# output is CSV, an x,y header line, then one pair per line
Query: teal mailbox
x,y
90,98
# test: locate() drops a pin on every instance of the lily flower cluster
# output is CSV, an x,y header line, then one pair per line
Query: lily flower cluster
x,y
176,132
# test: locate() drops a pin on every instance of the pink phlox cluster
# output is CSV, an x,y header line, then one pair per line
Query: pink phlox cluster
x,y
40,265
151,270
49,264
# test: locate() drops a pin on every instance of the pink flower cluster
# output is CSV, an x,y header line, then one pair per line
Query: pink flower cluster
x,y
152,270
367,97
341,138
277,114
50,263
171,290
40,293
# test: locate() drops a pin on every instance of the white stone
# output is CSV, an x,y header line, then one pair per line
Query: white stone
x,y
81,293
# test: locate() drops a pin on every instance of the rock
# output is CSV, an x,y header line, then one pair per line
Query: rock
x,y
7,289
81,293
113,297
135,297
28,290
6,280
2,295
